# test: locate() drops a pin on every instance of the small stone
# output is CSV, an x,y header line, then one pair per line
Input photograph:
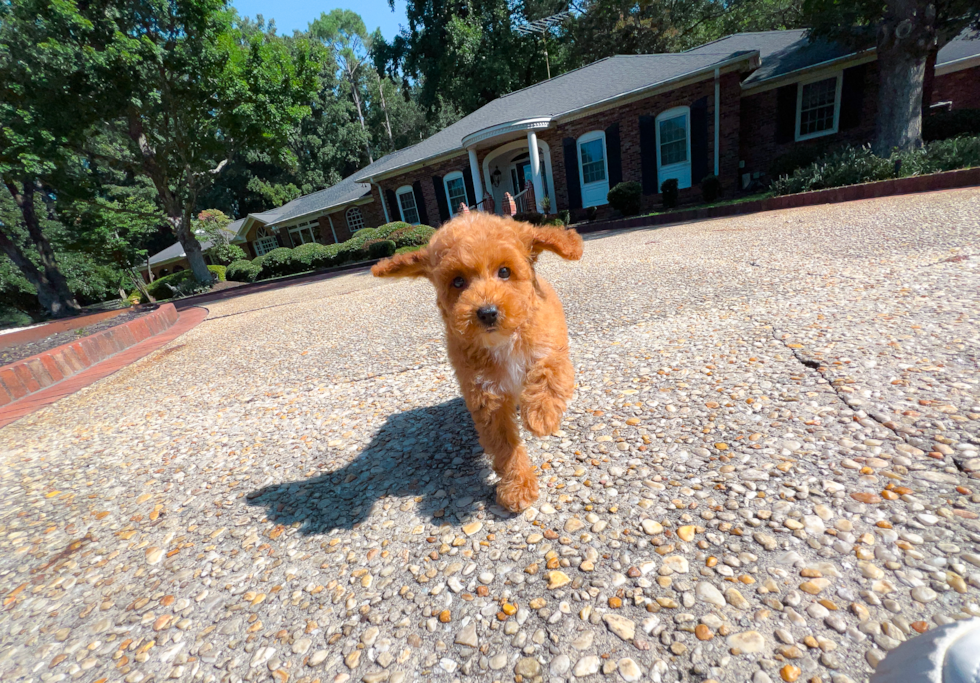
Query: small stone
x,y
317,658
574,524
790,673
472,528
445,616
924,594
651,528
866,497
560,665
621,626
629,670
814,586
154,555
586,666
686,533
702,632
467,635
528,667
678,648
747,642
735,599
557,579
706,592
301,645
677,563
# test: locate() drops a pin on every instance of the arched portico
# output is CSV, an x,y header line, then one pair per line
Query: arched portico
x,y
513,162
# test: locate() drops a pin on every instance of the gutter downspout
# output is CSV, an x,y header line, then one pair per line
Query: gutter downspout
x,y
717,118
381,193
334,232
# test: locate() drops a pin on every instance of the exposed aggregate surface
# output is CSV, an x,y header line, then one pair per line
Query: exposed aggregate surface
x,y
768,472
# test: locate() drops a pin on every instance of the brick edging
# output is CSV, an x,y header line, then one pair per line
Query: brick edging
x,y
948,180
28,376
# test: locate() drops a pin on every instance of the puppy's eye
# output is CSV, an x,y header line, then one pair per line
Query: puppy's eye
x,y
459,282
503,273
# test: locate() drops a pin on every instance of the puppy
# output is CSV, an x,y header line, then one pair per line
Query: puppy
x,y
505,333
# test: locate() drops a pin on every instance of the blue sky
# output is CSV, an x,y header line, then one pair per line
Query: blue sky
x,y
296,14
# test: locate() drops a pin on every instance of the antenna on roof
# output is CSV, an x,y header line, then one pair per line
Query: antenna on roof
x,y
542,26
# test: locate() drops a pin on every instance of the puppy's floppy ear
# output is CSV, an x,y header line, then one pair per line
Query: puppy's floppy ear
x,y
565,243
411,264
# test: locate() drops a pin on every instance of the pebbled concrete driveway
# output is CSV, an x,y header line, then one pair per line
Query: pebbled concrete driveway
x,y
768,473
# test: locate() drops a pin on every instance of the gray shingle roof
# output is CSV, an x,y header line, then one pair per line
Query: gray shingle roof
x,y
964,46
606,79
176,250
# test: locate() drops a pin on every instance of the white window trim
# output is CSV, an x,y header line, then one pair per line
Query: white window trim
x,y
265,237
799,105
445,186
405,189
589,137
670,114
350,228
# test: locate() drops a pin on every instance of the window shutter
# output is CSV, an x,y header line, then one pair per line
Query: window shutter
x,y
786,113
420,202
614,157
468,182
441,200
699,140
574,189
852,97
648,154
394,212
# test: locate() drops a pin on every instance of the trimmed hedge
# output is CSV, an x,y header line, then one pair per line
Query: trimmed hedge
x,y
381,249
625,197
669,193
854,165
243,271
710,188
277,262
411,235
405,250
384,231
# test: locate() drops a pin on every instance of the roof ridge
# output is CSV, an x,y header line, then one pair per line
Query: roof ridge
x,y
548,80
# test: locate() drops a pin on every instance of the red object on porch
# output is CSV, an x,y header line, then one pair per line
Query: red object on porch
x,y
529,201
488,204
463,208
509,208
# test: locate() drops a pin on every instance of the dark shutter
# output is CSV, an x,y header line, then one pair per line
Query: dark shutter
x,y
420,202
614,157
648,154
521,180
786,113
394,212
852,97
572,186
699,140
441,200
471,197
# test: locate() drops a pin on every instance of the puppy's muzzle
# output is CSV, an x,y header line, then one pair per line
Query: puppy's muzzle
x,y
487,315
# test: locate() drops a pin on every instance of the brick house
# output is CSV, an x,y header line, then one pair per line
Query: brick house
x,y
730,108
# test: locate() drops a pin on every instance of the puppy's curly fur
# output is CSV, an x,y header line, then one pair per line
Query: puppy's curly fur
x,y
505,333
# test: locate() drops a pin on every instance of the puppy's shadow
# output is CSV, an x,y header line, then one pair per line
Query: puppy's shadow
x,y
430,452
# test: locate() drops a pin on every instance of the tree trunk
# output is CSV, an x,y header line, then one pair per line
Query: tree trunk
x,y
905,37
52,288
384,107
352,77
192,248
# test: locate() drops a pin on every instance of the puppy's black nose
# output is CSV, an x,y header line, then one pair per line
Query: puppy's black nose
x,y
487,315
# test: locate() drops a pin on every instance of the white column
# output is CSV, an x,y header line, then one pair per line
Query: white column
x,y
477,177
536,179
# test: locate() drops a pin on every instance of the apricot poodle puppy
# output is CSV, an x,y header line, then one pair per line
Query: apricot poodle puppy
x,y
505,333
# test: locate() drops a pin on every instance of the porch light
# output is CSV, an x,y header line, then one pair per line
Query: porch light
x,y
495,176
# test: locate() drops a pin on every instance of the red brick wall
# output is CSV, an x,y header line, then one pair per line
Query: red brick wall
x,y
373,217
628,117
962,88
758,127
424,176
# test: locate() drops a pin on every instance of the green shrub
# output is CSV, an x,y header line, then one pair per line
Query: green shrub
x,y
325,256
405,250
565,216
532,217
243,271
364,233
554,223
412,236
853,165
277,262
591,213
668,190
183,281
625,197
305,256
381,249
710,188
384,231
950,124
799,156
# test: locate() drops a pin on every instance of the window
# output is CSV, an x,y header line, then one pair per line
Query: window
x,y
455,191
592,168
674,146
304,233
355,219
406,205
264,245
818,107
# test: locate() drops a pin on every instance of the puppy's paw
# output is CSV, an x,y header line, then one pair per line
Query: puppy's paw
x,y
543,417
518,492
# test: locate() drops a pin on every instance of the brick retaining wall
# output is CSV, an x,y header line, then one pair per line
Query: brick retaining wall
x,y
33,374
